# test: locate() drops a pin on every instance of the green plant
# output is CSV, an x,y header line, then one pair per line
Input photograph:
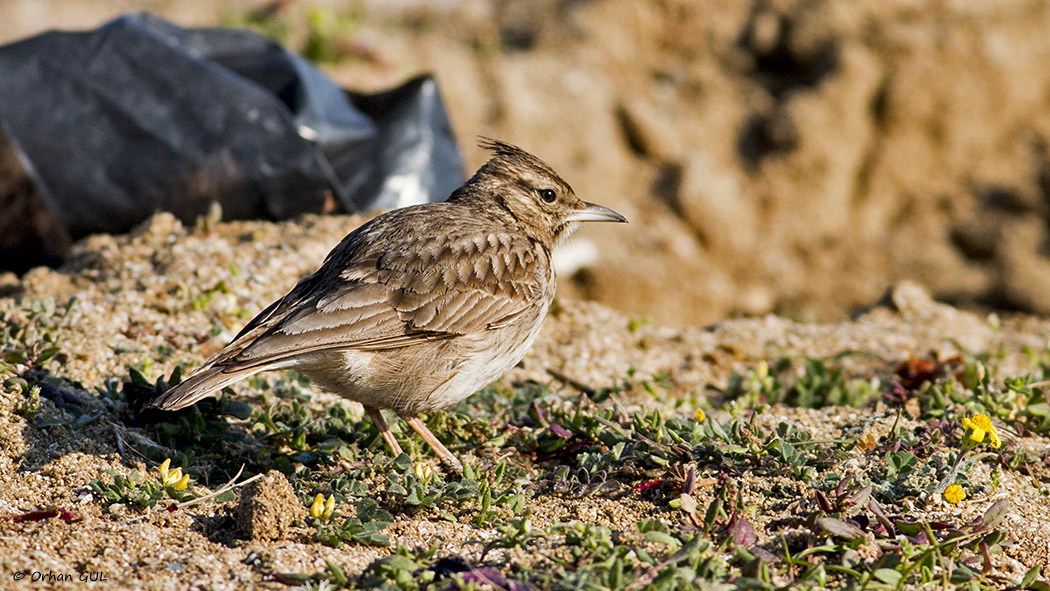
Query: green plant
x,y
130,490
362,529
815,385
30,333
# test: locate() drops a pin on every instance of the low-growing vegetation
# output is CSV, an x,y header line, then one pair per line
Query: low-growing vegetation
x,y
739,494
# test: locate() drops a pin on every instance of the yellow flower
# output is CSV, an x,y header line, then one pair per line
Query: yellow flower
x,y
182,483
321,509
317,509
174,477
424,472
979,425
954,494
700,416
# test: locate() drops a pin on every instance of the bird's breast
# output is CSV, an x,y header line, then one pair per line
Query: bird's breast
x,y
492,354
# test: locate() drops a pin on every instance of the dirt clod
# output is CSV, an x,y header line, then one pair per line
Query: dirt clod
x,y
268,508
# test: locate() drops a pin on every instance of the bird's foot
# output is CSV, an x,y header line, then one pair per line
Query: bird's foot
x,y
448,460
452,464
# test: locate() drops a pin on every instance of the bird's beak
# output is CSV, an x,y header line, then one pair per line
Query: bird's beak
x,y
592,212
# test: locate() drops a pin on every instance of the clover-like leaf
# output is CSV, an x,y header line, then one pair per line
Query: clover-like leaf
x,y
993,516
839,528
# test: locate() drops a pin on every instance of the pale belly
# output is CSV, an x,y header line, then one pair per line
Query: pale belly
x,y
424,377
480,370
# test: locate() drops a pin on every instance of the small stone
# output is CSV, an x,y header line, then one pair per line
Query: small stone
x,y
268,507
909,296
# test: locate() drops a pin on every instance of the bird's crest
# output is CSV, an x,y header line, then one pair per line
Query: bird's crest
x,y
514,158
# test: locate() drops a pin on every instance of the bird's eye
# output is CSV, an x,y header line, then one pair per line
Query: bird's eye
x,y
548,195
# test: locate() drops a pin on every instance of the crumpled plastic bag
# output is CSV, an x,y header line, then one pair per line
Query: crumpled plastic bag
x,y
141,115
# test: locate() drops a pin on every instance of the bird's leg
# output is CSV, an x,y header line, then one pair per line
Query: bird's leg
x,y
384,430
446,456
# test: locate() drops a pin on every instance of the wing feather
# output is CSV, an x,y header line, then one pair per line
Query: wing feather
x,y
414,291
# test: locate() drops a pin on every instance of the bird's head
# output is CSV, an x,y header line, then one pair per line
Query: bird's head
x,y
530,193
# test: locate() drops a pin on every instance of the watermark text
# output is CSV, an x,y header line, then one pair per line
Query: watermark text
x,y
48,576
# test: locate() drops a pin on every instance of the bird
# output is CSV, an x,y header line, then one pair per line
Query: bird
x,y
422,306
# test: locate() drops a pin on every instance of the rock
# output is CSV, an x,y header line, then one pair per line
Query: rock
x,y
909,296
268,508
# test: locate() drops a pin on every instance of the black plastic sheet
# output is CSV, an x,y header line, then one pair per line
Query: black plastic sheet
x,y
141,115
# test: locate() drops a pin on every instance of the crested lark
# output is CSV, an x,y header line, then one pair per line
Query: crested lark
x,y
422,306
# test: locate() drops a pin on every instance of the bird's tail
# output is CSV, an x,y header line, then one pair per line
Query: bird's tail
x,y
204,382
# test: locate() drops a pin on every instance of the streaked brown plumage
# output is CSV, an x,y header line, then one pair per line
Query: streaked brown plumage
x,y
422,306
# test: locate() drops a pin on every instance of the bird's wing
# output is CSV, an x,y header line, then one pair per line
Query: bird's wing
x,y
418,289
463,284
